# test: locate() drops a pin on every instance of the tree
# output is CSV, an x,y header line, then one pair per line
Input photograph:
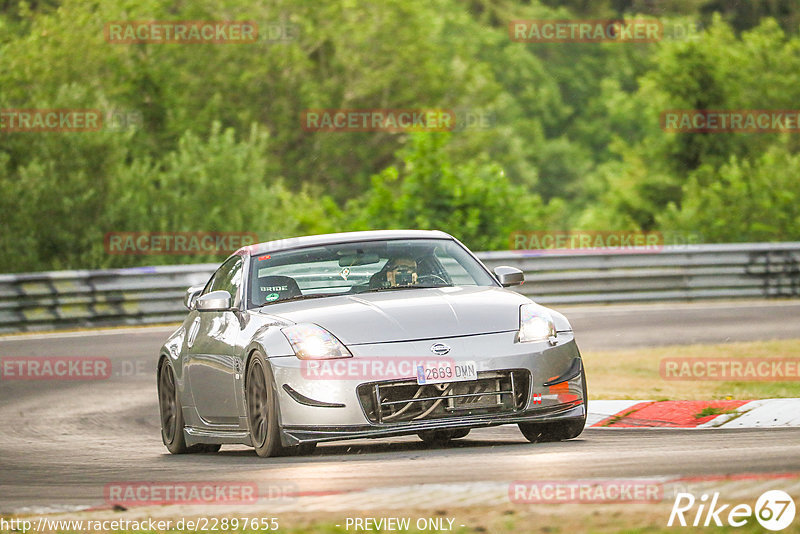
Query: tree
x,y
473,200
743,201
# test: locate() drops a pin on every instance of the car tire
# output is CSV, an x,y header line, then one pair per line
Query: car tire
x,y
262,408
441,437
546,432
170,412
557,431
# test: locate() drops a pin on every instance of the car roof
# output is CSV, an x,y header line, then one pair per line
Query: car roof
x,y
343,237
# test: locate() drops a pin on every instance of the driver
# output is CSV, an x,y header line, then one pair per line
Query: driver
x,y
401,271
398,272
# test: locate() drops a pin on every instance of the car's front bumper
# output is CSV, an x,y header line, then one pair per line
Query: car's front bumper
x,y
337,412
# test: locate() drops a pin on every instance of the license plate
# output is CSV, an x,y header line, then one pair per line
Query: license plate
x,y
437,373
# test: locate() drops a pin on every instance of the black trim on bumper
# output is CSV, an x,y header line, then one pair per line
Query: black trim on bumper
x,y
300,434
302,399
573,372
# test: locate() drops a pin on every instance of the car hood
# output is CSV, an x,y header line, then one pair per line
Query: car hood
x,y
406,315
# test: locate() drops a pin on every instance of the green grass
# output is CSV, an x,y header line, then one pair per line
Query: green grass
x,y
634,373
709,410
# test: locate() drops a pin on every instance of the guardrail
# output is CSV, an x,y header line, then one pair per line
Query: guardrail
x,y
63,299
689,272
142,295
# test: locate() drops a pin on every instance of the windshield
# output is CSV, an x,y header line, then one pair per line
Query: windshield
x,y
362,267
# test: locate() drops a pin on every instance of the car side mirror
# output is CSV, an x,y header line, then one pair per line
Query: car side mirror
x,y
509,276
191,296
214,301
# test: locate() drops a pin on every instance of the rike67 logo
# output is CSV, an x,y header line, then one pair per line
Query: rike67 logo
x,y
774,510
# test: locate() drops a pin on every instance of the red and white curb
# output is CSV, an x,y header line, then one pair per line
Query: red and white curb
x,y
765,413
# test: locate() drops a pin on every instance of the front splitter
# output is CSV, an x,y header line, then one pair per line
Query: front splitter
x,y
294,435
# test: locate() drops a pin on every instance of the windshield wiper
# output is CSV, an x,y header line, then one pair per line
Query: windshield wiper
x,y
300,297
397,288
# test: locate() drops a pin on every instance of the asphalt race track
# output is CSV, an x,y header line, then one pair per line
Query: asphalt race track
x,y
63,441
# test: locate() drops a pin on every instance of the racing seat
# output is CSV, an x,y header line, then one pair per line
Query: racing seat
x,y
268,287
378,280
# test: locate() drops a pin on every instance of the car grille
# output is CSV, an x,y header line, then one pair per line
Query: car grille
x,y
403,401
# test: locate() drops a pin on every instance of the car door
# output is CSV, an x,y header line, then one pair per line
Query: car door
x,y
211,366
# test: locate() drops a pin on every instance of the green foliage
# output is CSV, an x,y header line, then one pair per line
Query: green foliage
x,y
648,168
743,201
575,140
473,200
205,185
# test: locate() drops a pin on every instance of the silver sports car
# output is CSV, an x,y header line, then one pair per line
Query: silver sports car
x,y
364,335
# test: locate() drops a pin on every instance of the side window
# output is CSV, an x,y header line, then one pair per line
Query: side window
x,y
458,275
233,281
228,277
210,282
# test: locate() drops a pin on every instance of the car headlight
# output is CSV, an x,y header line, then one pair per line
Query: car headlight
x,y
312,342
535,324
